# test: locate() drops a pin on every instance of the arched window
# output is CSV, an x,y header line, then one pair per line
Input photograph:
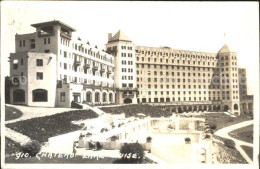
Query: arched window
x,y
89,97
97,97
128,100
110,97
226,108
235,107
40,95
104,97
19,95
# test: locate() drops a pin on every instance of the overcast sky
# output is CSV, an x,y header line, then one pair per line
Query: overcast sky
x,y
198,26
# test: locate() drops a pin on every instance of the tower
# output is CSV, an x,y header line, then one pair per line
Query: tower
x,y
123,49
229,79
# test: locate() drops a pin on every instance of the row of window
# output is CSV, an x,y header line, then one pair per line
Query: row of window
x,y
173,54
124,62
177,67
127,78
190,86
68,79
156,100
130,55
90,53
126,47
178,61
211,80
130,70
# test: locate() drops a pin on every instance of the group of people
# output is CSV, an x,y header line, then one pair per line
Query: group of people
x,y
95,146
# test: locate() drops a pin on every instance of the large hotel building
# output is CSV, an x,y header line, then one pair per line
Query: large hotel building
x,y
53,67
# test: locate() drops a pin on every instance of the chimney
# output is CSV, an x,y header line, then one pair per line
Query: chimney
x,y
109,36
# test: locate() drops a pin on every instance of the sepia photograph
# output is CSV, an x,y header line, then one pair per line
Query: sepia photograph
x,y
96,84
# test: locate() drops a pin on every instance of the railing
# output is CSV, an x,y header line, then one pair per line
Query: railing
x,y
95,68
65,35
43,34
76,62
128,95
87,66
128,88
59,83
102,70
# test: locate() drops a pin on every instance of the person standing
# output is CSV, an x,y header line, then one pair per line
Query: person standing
x,y
74,149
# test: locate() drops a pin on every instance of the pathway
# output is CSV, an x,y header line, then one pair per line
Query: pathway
x,y
16,136
224,133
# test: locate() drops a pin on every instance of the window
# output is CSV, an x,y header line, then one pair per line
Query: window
x,y
21,61
46,51
39,75
62,96
40,95
32,43
49,40
65,65
39,62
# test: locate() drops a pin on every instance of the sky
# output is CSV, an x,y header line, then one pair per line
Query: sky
x,y
197,26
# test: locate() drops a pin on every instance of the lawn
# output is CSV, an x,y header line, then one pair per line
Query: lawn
x,y
42,128
222,120
132,110
244,134
248,150
12,113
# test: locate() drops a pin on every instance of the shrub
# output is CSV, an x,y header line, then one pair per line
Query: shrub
x,y
114,138
32,148
187,140
132,149
149,139
229,143
207,136
213,126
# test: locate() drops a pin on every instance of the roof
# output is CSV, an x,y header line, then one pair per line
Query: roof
x,y
55,22
226,49
120,36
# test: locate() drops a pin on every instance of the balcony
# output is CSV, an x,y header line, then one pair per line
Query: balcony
x,y
128,95
94,68
109,71
102,70
45,34
76,63
87,65
128,89
59,83
66,35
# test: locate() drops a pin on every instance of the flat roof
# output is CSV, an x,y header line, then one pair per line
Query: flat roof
x,y
55,22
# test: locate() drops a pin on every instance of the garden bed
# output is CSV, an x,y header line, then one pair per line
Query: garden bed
x,y
226,155
132,110
42,128
11,147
